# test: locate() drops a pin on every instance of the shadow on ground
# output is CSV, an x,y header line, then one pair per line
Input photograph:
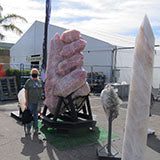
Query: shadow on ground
x,y
32,147
153,142
156,108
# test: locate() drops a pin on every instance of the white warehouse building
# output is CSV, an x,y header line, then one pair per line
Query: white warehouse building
x,y
114,59
98,54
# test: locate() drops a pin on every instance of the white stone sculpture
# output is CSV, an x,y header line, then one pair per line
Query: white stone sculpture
x,y
110,101
135,137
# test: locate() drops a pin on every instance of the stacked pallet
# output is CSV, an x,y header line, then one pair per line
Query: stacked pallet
x,y
96,81
8,88
96,78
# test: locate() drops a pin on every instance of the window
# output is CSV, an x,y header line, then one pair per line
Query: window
x,y
35,61
35,64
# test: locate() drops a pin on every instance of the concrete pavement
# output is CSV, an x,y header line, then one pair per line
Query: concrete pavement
x,y
14,144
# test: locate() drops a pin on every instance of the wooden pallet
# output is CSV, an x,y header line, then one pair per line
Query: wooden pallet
x,y
8,88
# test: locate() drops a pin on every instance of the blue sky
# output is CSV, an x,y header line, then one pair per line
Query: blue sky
x,y
106,16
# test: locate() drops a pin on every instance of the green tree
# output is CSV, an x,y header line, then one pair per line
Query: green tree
x,y
7,24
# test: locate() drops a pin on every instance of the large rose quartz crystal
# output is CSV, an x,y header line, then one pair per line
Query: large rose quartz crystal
x,y
64,73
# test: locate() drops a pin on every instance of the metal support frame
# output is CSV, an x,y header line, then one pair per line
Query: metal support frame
x,y
17,115
105,152
74,116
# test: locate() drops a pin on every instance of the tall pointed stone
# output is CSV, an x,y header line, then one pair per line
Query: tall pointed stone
x,y
135,137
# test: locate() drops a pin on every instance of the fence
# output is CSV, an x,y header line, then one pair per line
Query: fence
x,y
106,70
123,66
124,62
102,69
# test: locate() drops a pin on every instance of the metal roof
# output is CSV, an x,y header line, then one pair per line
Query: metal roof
x,y
6,45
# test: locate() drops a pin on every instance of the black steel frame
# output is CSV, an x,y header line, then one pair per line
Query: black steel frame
x,y
74,117
105,153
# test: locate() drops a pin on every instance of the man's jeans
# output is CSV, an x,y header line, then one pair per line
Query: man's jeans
x,y
33,109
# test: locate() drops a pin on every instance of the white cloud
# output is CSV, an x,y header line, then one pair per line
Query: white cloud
x,y
28,9
107,16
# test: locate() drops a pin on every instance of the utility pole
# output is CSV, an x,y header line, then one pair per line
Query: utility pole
x,y
47,18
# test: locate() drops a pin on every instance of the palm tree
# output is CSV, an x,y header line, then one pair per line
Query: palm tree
x,y
6,24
